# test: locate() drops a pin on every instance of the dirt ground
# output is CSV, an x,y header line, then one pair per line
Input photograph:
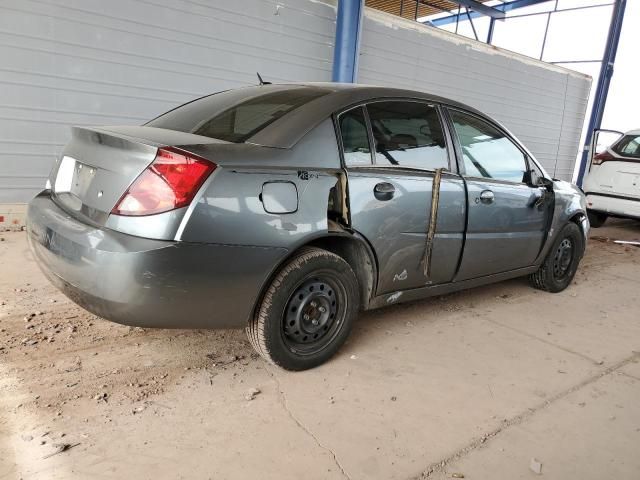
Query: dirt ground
x,y
492,383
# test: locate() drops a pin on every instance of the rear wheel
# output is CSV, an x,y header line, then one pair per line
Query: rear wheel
x,y
596,219
559,268
307,312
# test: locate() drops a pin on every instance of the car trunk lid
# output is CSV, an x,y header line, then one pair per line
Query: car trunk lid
x,y
100,163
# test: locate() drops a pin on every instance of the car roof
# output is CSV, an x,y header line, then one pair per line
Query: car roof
x,y
633,132
290,128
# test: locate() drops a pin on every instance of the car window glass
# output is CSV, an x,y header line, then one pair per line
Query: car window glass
x,y
629,146
486,151
355,140
408,134
235,115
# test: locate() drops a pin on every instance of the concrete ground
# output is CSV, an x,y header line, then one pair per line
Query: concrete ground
x,y
472,385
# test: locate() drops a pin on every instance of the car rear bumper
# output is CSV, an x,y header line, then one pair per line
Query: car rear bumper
x,y
614,204
143,282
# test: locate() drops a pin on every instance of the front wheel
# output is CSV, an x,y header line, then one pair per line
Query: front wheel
x,y
596,219
558,269
307,312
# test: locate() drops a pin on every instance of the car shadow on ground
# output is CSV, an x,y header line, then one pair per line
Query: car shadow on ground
x,y
464,305
194,349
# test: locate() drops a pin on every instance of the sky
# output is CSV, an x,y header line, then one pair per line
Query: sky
x,y
571,36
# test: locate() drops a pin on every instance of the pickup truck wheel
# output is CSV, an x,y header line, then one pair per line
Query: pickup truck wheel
x,y
559,268
596,219
307,312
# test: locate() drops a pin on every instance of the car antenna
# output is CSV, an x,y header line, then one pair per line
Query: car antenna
x,y
262,82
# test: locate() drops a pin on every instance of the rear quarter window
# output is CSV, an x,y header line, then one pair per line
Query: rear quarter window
x,y
629,146
235,115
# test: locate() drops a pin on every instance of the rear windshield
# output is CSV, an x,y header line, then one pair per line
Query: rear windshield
x,y
629,146
236,115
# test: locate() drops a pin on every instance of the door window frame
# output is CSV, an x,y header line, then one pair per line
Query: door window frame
x,y
336,123
452,167
528,159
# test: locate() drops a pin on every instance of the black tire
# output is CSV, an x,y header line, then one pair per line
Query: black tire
x,y
596,219
307,312
558,269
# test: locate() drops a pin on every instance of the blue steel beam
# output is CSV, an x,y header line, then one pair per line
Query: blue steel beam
x,y
347,41
473,28
604,80
480,8
492,24
505,7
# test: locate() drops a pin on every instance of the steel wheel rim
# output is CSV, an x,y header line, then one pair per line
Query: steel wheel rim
x,y
314,314
563,259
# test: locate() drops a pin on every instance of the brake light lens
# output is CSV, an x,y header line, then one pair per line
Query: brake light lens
x,y
170,182
602,157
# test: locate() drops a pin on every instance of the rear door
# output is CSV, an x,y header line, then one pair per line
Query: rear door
x,y
391,150
506,222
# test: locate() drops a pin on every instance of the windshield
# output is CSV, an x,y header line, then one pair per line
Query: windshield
x,y
236,115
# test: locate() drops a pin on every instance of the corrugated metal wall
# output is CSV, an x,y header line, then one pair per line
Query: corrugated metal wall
x,y
543,105
91,62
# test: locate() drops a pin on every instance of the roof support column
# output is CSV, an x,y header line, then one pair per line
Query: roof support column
x,y
347,43
604,79
492,24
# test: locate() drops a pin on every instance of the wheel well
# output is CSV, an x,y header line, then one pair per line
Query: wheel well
x,y
354,251
577,219
358,255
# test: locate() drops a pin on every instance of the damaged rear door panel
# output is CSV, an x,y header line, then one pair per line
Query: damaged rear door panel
x,y
397,228
391,191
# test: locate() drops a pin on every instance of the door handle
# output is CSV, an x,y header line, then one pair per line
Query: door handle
x,y
384,191
487,196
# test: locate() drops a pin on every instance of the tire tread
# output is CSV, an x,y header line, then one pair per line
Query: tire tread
x,y
541,279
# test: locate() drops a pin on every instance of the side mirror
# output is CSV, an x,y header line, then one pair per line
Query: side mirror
x,y
546,183
533,179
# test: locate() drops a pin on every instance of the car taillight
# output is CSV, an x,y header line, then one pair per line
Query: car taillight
x,y
602,157
170,182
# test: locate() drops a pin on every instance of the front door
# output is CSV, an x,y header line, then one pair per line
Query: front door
x,y
390,191
507,220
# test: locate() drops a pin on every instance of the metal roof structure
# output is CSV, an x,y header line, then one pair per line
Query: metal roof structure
x,y
415,9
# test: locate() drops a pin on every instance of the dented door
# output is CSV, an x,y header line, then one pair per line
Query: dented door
x,y
391,149
397,226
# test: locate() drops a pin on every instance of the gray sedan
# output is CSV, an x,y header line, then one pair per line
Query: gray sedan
x,y
287,209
